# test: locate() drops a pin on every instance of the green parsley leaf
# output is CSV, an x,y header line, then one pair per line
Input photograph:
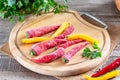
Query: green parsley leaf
x,y
95,45
19,3
92,54
86,52
26,1
15,8
11,2
2,15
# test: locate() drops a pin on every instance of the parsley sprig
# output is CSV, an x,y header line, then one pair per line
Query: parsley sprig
x,y
92,54
20,8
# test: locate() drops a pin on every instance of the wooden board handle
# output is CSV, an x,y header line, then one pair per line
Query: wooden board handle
x,y
93,20
5,49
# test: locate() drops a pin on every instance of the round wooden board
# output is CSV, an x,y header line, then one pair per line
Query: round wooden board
x,y
57,68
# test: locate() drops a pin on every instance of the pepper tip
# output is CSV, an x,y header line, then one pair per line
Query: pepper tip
x,y
86,77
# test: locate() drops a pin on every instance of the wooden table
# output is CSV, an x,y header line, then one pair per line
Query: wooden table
x,y
105,10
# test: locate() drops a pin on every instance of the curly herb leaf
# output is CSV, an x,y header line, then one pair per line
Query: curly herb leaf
x,y
95,54
92,54
11,2
20,4
20,8
86,52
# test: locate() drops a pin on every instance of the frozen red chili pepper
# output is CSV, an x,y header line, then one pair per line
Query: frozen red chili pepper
x,y
68,31
36,32
42,46
108,68
50,57
67,57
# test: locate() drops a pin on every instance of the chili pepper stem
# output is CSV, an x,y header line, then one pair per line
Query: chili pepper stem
x,y
64,60
32,52
26,35
55,48
66,37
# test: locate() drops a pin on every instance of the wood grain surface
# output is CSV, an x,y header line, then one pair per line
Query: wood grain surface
x,y
102,9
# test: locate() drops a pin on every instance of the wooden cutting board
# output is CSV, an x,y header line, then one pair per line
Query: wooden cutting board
x,y
56,68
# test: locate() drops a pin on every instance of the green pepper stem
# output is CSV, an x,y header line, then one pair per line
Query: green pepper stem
x,y
64,60
32,52
27,35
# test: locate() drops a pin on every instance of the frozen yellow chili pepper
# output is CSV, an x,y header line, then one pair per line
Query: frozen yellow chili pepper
x,y
35,39
62,28
107,76
83,37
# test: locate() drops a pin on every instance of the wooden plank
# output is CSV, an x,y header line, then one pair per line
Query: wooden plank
x,y
102,9
16,75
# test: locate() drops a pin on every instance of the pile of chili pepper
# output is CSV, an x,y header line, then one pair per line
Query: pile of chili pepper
x,y
61,39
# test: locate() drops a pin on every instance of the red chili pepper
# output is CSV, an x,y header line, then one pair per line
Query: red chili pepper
x,y
42,46
108,68
65,33
36,32
67,57
50,57
69,43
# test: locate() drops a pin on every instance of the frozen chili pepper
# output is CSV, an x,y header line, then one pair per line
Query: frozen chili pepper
x,y
37,32
65,33
50,57
35,39
69,43
67,57
38,48
107,76
83,37
108,68
61,29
